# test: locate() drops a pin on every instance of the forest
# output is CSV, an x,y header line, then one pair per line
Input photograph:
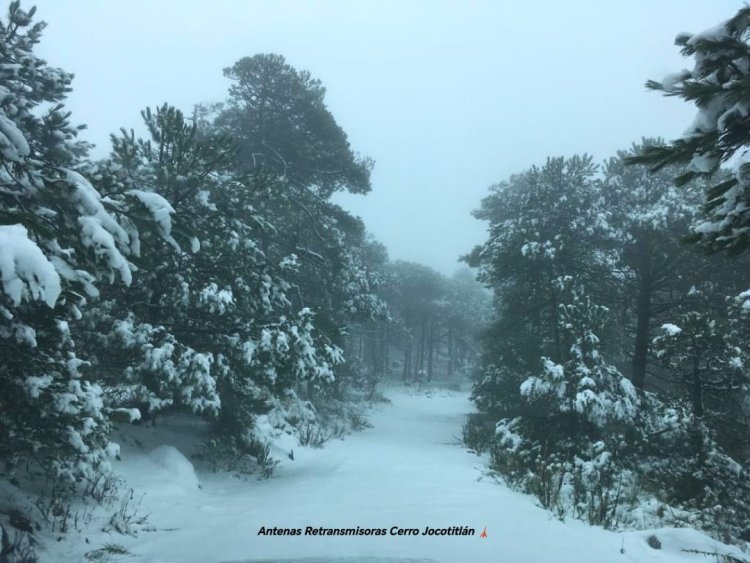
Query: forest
x,y
205,271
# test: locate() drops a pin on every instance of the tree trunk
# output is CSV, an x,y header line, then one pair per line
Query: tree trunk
x,y
640,353
386,357
556,336
451,352
430,347
407,360
310,390
372,344
696,392
419,364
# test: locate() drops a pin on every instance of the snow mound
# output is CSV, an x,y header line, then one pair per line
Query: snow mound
x,y
340,560
687,544
177,465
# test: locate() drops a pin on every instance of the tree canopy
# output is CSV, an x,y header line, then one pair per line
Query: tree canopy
x,y
279,119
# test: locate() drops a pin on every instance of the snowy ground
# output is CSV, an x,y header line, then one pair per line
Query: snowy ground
x,y
409,470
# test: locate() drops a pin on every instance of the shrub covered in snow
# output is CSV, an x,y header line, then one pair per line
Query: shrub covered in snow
x,y
567,440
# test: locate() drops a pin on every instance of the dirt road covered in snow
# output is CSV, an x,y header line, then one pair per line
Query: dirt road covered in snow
x,y
408,472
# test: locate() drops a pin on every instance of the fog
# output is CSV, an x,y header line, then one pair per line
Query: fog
x,y
205,357
446,97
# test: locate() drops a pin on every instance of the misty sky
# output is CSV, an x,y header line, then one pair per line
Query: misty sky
x,y
447,97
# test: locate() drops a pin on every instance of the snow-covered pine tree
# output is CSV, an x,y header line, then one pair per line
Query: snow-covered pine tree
x,y
719,85
543,224
706,352
574,421
58,238
698,350
208,325
279,120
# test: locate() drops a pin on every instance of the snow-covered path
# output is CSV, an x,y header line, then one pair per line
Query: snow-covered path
x,y
410,471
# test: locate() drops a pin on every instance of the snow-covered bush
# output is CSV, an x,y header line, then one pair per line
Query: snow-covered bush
x,y
568,439
692,463
706,357
587,445
679,462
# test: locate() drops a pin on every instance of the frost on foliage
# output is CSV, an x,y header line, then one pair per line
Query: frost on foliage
x,y
73,411
506,434
287,413
129,414
551,383
292,345
290,262
26,272
359,297
545,249
641,205
35,385
204,199
743,300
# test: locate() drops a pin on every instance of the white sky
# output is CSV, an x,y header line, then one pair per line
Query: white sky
x,y
447,97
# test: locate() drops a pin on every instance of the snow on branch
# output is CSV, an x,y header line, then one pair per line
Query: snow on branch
x,y
24,268
161,211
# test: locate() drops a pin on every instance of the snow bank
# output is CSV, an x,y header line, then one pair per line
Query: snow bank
x,y
177,465
341,560
680,544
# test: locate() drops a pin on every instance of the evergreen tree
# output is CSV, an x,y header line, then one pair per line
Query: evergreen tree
x,y
210,328
719,85
59,238
280,120
280,123
705,351
542,225
570,431
651,267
